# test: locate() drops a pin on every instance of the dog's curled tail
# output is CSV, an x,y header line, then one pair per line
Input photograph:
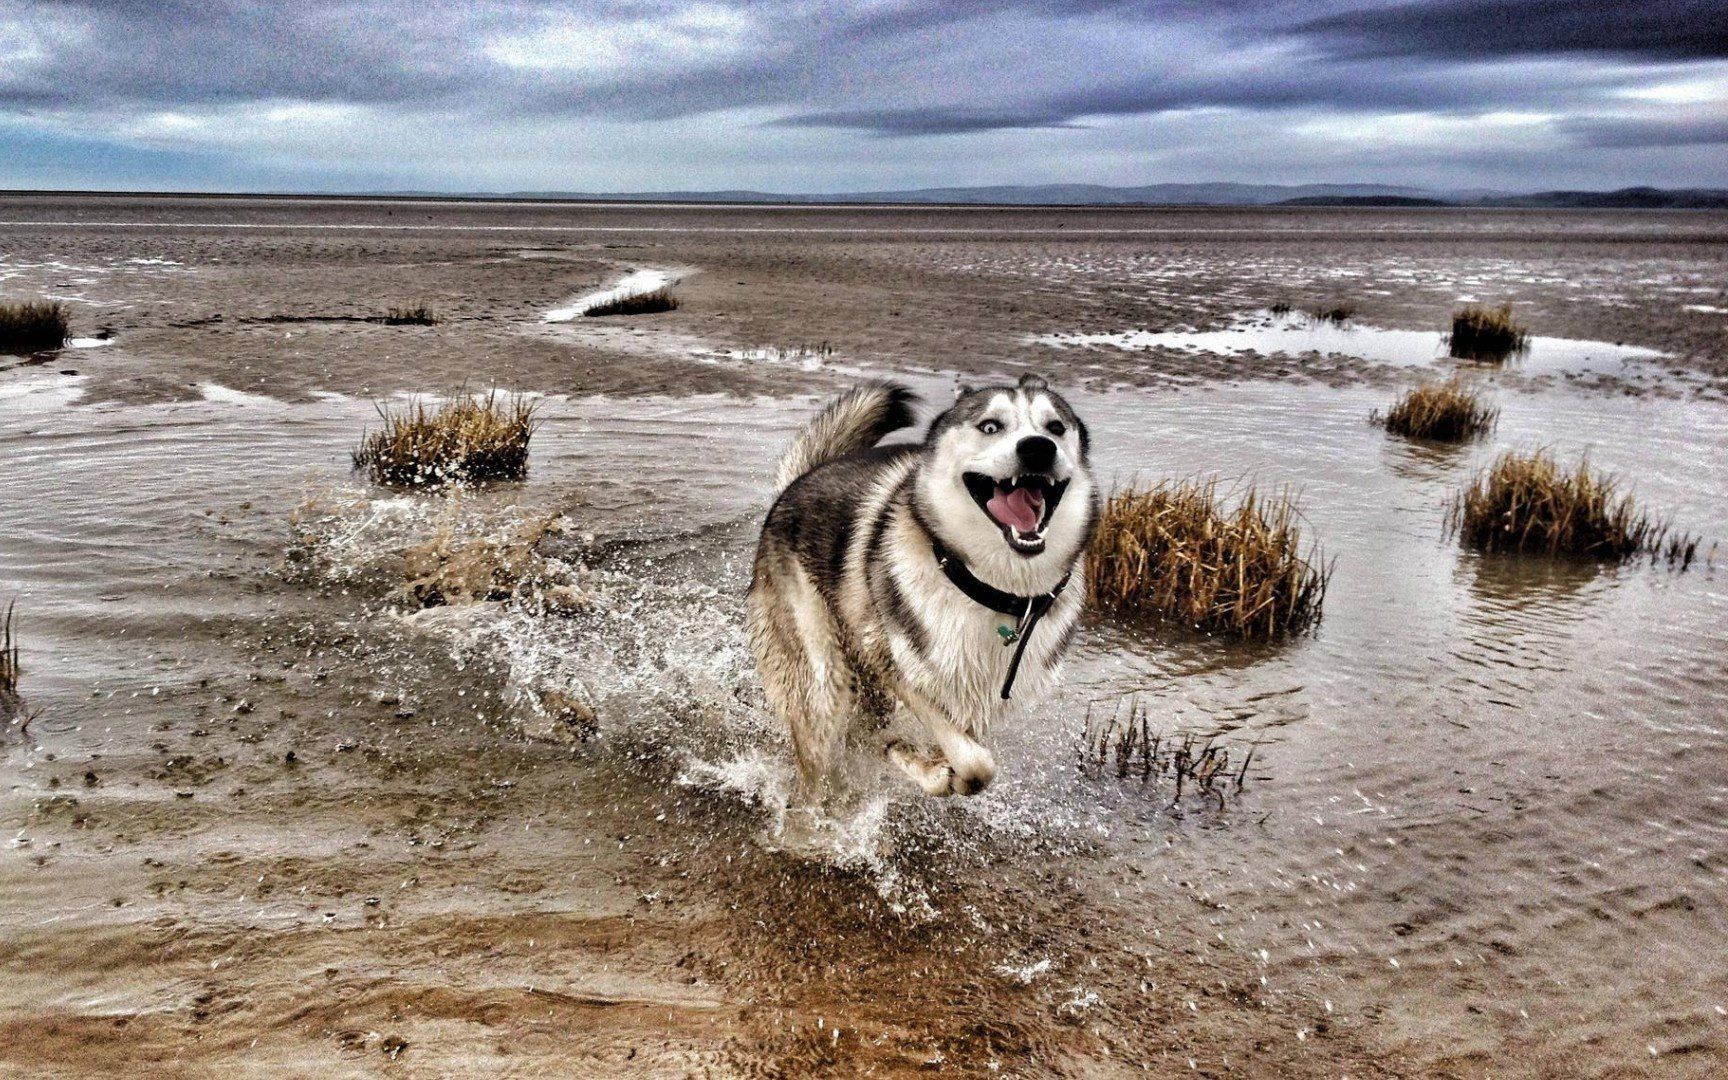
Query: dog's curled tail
x,y
856,420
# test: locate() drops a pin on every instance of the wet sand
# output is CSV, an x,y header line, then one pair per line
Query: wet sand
x,y
277,283
267,820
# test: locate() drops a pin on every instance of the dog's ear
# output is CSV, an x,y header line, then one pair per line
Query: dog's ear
x,y
961,390
1030,381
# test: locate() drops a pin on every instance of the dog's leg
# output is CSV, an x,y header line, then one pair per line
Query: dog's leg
x,y
804,671
964,766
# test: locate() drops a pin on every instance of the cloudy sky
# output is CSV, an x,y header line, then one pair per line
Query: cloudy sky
x,y
501,95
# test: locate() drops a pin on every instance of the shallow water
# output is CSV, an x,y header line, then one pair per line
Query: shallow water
x,y
1482,831
1295,334
1497,784
1487,796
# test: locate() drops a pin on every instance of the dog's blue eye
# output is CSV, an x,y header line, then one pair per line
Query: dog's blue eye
x,y
989,427
1056,428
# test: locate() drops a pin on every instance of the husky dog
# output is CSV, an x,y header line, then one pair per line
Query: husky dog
x,y
921,581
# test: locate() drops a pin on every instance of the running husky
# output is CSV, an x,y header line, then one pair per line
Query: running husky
x,y
915,575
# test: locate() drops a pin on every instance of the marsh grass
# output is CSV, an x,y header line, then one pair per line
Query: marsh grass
x,y
467,438
1125,744
1446,412
1530,503
1480,333
1281,307
418,315
1336,314
10,703
1176,552
638,304
34,324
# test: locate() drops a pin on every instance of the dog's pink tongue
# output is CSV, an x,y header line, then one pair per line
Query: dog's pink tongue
x,y
1020,508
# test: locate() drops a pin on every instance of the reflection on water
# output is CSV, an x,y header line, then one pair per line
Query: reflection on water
x,y
1489,792
1422,461
1520,620
1294,334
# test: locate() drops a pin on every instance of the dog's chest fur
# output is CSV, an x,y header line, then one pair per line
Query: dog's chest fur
x,y
912,624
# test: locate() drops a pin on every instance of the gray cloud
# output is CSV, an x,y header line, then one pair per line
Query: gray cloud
x,y
1045,76
931,120
1649,132
1253,87
1476,29
181,51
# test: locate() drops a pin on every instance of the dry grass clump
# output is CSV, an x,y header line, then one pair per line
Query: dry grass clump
x,y
1127,745
1336,314
1281,307
1529,503
1447,412
638,304
34,324
465,439
1480,333
1175,552
418,315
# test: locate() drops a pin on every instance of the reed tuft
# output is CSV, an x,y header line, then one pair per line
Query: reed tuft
x,y
466,439
10,703
1336,314
34,324
1175,552
418,315
1480,333
1530,503
638,304
1125,744
1445,412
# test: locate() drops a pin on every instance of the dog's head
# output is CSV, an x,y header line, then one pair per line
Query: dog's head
x,y
1005,479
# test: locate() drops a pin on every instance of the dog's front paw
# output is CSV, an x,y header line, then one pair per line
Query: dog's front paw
x,y
929,771
965,768
971,767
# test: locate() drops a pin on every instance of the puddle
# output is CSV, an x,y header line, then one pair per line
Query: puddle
x,y
89,342
634,284
1295,334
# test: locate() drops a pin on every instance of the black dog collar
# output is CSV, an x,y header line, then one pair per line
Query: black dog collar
x,y
1026,609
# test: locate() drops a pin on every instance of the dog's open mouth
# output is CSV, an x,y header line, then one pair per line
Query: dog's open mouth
x,y
1021,506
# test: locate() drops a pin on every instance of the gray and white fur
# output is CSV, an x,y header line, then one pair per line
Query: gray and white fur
x,y
859,634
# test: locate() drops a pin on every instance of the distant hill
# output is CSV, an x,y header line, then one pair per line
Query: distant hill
x,y
1019,195
1149,195
1365,200
1632,198
1222,194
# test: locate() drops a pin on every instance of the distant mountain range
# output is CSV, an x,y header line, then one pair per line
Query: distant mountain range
x,y
1634,198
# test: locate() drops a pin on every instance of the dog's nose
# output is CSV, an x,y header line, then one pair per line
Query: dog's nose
x,y
1036,452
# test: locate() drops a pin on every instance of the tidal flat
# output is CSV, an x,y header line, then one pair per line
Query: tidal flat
x,y
271,810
